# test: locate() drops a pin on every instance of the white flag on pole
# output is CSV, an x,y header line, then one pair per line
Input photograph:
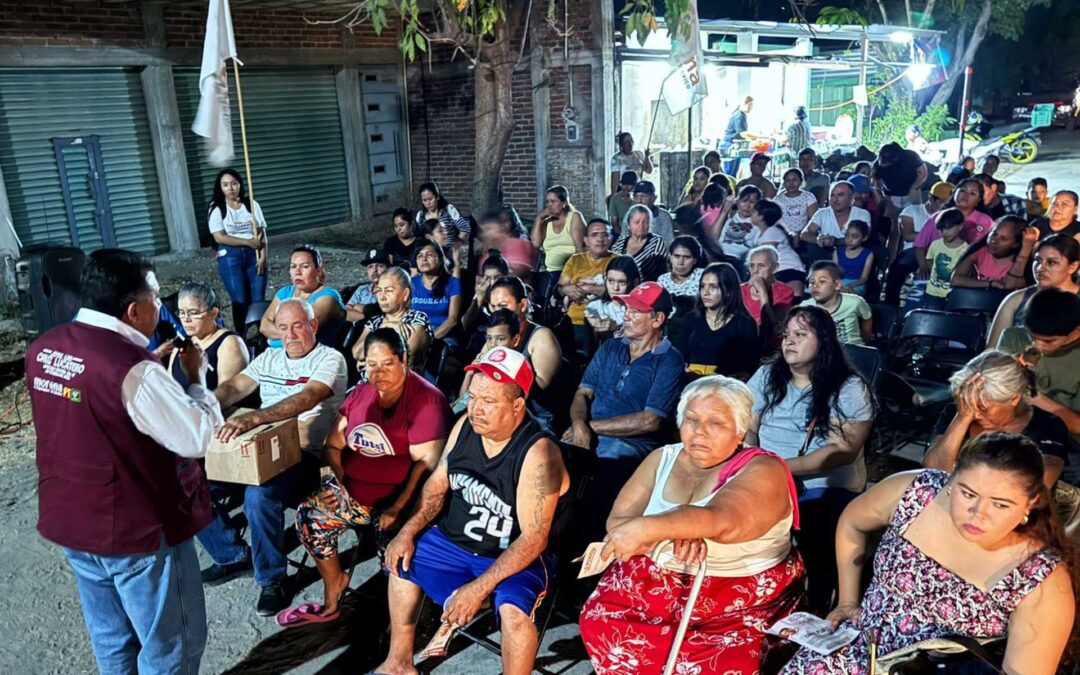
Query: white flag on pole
x,y
685,84
213,120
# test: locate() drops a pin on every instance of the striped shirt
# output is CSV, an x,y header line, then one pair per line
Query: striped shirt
x,y
455,225
799,136
652,259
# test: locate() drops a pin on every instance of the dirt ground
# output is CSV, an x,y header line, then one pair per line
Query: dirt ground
x,y
41,620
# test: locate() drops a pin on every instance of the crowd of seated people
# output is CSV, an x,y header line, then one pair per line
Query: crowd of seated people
x,y
702,359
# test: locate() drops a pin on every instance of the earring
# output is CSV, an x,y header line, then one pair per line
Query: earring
x,y
948,491
1025,520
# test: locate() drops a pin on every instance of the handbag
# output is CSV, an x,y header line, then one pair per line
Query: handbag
x,y
948,654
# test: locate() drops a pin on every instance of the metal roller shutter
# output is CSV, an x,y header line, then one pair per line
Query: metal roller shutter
x,y
294,137
38,105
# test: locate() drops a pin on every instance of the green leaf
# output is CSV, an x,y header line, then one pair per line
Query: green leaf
x,y
420,42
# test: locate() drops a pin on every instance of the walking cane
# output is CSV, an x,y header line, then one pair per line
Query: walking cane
x,y
680,635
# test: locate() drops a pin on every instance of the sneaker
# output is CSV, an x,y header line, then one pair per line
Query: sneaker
x,y
274,598
216,574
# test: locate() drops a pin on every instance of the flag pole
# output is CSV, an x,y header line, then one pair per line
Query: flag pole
x,y
260,253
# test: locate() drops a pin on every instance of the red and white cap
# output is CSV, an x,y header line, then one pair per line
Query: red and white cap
x,y
505,365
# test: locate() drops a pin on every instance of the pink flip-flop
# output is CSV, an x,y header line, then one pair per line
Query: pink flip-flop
x,y
304,613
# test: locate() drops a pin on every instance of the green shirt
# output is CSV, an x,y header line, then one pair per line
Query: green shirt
x,y
617,208
1057,375
942,261
847,315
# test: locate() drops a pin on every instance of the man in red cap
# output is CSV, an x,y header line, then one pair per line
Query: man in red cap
x,y
627,398
500,479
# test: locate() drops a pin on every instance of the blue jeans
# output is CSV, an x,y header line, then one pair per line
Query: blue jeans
x,y
145,612
264,506
239,273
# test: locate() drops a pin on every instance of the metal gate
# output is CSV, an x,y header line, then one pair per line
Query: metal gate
x,y
86,128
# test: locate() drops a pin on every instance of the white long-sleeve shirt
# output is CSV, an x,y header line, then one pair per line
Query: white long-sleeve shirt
x,y
182,421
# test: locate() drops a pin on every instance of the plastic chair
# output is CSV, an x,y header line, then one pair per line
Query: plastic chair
x,y
886,321
975,300
255,340
868,361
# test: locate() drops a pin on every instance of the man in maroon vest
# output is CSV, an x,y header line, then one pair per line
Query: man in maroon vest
x,y
119,487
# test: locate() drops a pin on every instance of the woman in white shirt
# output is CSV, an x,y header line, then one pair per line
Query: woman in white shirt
x,y
707,501
239,229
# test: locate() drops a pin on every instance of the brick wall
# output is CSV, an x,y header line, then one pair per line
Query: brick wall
x,y
570,163
50,22
270,28
54,22
443,136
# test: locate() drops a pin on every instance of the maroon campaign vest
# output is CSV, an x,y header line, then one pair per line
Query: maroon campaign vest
x,y
104,487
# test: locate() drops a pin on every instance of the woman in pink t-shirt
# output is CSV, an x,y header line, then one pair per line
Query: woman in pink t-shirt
x,y
389,436
968,199
1000,260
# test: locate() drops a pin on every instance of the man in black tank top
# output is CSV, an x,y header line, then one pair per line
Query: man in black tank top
x,y
500,480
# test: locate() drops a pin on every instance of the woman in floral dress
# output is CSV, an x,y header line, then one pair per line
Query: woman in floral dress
x,y
977,553
707,498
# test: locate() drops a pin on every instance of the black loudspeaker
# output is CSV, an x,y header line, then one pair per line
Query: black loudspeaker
x,y
48,282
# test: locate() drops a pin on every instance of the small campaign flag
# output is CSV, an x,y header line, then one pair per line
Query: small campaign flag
x,y
213,120
685,85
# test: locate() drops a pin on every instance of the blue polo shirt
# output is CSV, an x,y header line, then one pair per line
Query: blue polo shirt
x,y
650,383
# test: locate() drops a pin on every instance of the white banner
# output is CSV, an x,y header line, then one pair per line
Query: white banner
x,y
685,85
214,120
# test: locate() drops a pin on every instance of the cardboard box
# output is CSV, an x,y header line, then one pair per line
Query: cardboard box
x,y
256,456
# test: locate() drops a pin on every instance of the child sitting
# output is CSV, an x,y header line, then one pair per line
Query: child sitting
x,y
855,260
850,312
942,257
604,314
738,225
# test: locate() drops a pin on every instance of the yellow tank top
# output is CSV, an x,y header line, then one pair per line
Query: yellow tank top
x,y
558,247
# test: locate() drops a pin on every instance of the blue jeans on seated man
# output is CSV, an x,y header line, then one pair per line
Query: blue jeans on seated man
x,y
264,507
145,613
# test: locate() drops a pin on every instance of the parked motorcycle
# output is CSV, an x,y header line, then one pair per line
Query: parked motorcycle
x,y
1019,146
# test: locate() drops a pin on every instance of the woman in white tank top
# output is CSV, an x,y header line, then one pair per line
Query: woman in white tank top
x,y
705,499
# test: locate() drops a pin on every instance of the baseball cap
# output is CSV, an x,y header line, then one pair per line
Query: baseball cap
x,y
628,178
759,155
943,190
860,182
505,365
645,187
376,255
647,297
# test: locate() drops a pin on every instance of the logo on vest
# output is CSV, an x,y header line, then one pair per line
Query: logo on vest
x,y
369,440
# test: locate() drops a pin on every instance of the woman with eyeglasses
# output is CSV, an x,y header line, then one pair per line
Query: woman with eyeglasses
x,y
308,276
199,313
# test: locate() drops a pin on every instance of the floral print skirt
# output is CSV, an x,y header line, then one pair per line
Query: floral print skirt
x,y
629,622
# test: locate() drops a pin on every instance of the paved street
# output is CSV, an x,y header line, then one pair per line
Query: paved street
x,y
1057,162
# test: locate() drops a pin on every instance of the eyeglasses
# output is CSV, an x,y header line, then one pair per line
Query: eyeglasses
x,y
191,313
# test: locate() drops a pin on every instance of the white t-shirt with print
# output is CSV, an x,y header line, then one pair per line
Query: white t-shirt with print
x,y
794,208
825,219
280,377
236,222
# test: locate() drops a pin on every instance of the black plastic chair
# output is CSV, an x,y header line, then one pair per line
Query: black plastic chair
x,y
975,300
885,319
255,340
868,361
944,330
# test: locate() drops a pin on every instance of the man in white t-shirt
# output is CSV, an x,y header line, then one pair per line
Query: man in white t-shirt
x,y
912,219
830,223
302,379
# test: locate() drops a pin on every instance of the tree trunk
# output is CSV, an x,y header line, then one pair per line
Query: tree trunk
x,y
493,108
944,93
